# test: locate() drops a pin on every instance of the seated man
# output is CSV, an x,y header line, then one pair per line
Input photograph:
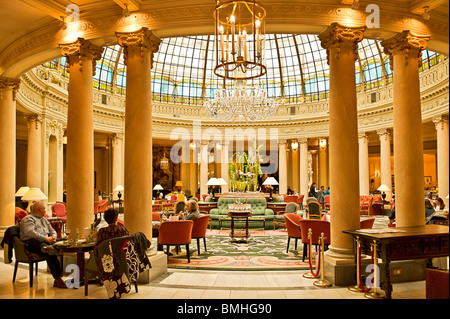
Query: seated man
x,y
38,234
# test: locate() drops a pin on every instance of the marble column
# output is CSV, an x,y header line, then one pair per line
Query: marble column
x,y
282,167
224,166
304,178
193,169
341,44
385,160
139,48
8,90
441,124
363,142
323,164
34,157
117,162
185,165
204,154
81,56
295,167
404,52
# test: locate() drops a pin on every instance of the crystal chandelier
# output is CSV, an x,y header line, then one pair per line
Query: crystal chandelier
x,y
239,45
241,103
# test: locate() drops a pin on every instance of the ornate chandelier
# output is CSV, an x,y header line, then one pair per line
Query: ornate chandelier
x,y
239,34
241,103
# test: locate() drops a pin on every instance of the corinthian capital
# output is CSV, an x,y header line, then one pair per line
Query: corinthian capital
x,y
143,38
81,48
9,83
337,34
405,43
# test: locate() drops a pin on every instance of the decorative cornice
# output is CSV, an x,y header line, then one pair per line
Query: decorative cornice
x,y
404,43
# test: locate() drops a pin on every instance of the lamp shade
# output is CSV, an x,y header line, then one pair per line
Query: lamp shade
x,y
119,188
213,181
158,187
179,184
270,181
34,194
383,188
221,181
22,191
447,197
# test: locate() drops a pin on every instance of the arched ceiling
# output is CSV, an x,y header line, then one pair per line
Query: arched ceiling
x,y
31,29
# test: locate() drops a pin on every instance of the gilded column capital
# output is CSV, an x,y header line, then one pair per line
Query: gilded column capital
x,y
302,140
115,138
9,83
143,38
337,34
384,134
36,118
439,121
81,48
362,136
404,43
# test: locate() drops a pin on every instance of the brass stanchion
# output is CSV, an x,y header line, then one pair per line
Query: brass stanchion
x,y
322,283
357,287
375,294
310,274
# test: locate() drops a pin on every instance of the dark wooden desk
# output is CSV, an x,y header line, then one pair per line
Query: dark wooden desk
x,y
277,207
418,242
79,249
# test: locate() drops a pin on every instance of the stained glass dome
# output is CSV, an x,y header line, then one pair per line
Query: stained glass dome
x,y
297,69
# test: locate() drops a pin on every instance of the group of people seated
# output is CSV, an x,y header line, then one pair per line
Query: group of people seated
x,y
39,236
430,208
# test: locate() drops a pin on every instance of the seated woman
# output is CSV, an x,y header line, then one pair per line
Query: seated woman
x,y
439,204
112,230
192,211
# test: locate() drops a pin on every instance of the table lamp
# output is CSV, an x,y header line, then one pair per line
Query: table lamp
x,y
270,181
158,188
213,181
383,188
19,195
119,189
32,195
179,185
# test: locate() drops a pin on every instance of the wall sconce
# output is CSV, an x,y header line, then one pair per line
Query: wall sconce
x,y
322,143
294,145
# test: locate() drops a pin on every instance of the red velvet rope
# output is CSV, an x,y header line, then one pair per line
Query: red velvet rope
x,y
309,259
360,280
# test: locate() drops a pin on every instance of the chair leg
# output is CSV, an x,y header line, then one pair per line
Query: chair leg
x,y
37,267
287,249
167,252
204,242
86,284
30,268
305,251
15,270
187,253
198,246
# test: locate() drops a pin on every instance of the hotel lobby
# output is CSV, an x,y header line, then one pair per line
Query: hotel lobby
x,y
240,104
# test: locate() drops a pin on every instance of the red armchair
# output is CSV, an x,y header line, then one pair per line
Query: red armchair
x,y
317,227
293,228
59,210
367,223
176,233
199,230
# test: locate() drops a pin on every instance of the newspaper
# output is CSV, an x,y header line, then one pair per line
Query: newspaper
x,y
381,230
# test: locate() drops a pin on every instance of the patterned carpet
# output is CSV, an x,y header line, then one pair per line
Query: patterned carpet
x,y
265,250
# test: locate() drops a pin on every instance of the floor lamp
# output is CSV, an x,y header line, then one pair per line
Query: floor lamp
x,y
119,189
158,188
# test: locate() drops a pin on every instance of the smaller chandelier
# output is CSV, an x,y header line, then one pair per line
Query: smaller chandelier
x,y
241,103
239,34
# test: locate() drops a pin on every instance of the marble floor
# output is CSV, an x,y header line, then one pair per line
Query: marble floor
x,y
196,284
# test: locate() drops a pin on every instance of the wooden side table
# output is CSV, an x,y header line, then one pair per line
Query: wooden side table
x,y
239,214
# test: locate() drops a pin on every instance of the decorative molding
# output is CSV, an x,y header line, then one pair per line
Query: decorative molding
x,y
79,49
9,83
405,43
337,34
143,38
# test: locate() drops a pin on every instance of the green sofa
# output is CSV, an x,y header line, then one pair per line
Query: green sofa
x,y
259,210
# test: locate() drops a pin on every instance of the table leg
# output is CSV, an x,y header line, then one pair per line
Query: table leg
x,y
232,228
387,284
246,229
80,264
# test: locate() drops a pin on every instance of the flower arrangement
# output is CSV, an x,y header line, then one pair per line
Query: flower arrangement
x,y
244,170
